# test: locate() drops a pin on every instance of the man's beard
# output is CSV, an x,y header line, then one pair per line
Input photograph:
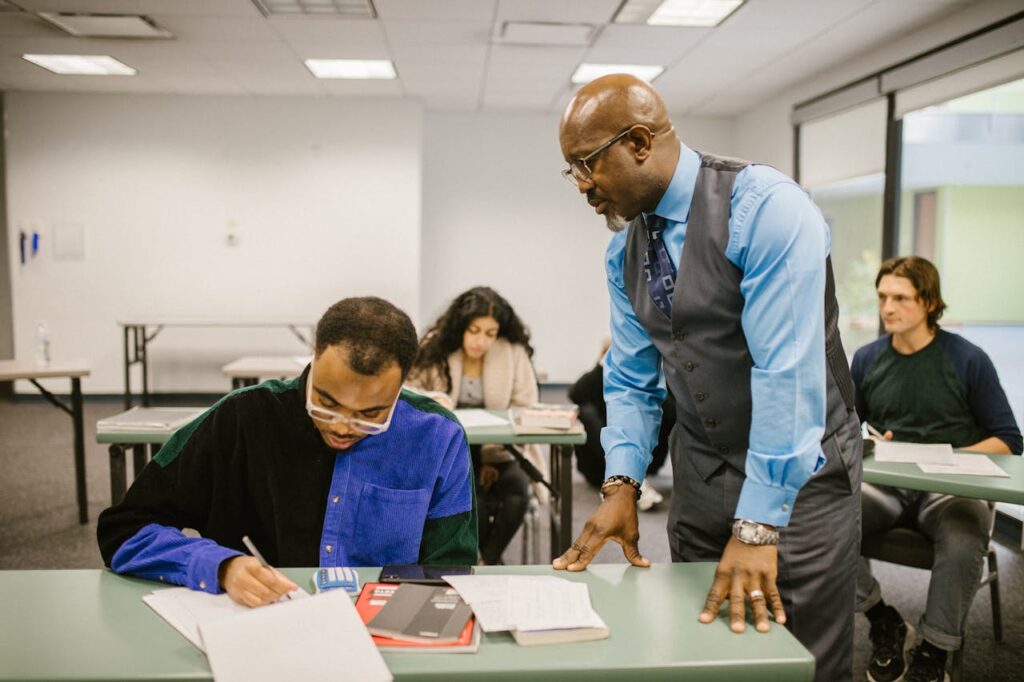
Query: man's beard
x,y
615,222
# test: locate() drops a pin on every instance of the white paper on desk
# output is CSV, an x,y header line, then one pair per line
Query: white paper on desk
x,y
966,465
488,596
185,609
477,418
913,453
320,638
550,605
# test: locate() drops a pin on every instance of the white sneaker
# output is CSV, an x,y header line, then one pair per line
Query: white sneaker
x,y
649,497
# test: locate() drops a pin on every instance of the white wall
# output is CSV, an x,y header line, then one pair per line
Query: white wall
x,y
496,213
324,194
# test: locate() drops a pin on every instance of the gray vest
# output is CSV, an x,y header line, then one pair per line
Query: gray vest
x,y
705,355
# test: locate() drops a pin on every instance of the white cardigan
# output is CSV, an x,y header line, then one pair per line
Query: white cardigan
x,y
508,379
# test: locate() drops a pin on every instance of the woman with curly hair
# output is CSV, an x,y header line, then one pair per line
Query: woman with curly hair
x,y
477,354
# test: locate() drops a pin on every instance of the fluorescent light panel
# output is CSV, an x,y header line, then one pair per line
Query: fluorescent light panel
x,y
357,69
324,8
699,13
80,64
106,25
588,72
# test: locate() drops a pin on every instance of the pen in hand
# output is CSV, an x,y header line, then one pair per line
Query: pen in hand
x,y
256,553
873,431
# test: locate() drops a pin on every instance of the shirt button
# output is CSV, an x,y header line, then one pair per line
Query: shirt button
x,y
700,397
202,584
336,499
161,578
329,549
785,506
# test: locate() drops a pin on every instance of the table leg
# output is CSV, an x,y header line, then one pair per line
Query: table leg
x,y
118,474
145,370
76,420
139,457
561,476
127,370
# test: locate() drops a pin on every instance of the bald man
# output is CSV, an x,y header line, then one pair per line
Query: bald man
x,y
721,286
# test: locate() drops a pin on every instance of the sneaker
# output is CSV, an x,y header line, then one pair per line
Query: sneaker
x,y
926,666
891,637
648,497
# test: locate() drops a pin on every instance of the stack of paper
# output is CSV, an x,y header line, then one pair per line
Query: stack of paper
x,y
149,419
937,459
475,418
536,609
971,464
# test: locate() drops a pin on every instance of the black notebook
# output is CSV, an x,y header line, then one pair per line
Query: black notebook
x,y
422,613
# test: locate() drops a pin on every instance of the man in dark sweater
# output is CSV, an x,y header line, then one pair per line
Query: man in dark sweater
x,y
336,467
919,383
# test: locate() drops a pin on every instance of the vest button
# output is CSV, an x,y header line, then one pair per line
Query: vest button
x,y
680,336
710,422
700,396
724,449
689,366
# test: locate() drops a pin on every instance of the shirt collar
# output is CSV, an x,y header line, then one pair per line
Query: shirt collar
x,y
675,203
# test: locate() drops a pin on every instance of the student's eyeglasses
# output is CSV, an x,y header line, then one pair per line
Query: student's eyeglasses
x,y
322,414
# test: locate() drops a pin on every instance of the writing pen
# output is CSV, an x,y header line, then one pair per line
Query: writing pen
x,y
256,553
873,431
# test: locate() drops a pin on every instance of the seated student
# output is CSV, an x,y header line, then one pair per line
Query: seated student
x,y
922,384
477,354
588,394
336,467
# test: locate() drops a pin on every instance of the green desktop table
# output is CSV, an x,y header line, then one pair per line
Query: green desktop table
x,y
93,625
900,475
141,440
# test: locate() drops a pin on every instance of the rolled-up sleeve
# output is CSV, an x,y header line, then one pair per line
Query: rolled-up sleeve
x,y
780,243
634,387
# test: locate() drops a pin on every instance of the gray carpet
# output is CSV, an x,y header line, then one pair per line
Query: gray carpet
x,y
39,529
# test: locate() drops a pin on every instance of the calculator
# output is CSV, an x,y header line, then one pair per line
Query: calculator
x,y
336,578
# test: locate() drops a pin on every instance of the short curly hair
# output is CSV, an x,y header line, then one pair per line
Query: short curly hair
x,y
374,332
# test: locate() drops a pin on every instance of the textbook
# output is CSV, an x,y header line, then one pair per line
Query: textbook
x,y
422,614
544,418
373,598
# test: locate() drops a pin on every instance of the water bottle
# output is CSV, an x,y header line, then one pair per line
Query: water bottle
x,y
42,345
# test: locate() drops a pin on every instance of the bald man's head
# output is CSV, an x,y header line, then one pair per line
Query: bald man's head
x,y
633,172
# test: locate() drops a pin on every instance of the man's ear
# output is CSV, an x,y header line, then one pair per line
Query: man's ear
x,y
642,139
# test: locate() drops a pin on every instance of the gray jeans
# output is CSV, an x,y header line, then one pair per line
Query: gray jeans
x,y
959,528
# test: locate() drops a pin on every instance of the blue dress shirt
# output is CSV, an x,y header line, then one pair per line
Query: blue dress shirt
x,y
779,240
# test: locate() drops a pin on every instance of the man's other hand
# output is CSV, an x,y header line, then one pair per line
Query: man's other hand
x,y
746,571
615,519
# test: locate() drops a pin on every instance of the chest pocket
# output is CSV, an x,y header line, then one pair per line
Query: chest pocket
x,y
389,525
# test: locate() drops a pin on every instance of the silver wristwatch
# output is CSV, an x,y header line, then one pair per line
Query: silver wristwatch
x,y
754,533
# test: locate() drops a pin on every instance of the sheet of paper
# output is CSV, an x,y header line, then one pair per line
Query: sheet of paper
x,y
185,609
913,453
487,595
966,465
472,417
550,605
317,639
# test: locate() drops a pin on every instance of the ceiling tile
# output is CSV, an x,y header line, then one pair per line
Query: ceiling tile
x,y
407,32
436,10
562,11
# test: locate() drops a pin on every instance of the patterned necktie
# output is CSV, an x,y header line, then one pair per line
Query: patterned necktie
x,y
661,274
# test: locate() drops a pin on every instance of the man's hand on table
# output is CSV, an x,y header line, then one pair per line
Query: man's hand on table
x,y
746,571
615,519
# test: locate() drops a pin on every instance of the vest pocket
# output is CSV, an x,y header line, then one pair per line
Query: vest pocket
x,y
389,525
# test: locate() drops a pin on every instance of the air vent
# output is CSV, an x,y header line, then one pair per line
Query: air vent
x,y
545,33
106,25
348,9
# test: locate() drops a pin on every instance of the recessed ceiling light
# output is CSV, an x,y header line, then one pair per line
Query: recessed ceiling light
x,y
80,64
700,13
360,69
106,25
588,72
348,9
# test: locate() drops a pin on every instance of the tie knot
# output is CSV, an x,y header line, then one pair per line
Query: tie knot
x,y
655,223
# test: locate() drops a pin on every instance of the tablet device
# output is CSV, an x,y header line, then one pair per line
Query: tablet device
x,y
423,575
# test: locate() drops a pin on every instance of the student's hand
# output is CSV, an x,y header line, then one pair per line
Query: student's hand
x,y
615,519
742,570
251,584
488,475
886,436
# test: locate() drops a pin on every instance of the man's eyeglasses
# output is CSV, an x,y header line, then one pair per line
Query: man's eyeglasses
x,y
579,170
322,414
